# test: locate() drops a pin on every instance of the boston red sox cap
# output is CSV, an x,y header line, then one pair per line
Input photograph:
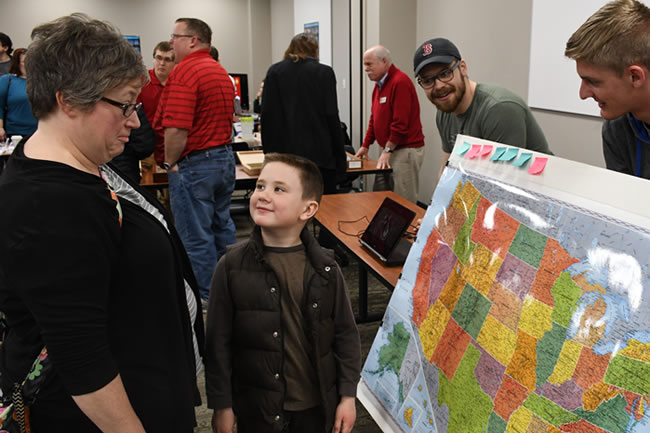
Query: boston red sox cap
x,y
438,50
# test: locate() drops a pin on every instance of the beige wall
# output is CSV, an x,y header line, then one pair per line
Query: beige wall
x,y
494,39
260,44
341,57
240,27
281,27
397,32
357,80
389,23
371,35
496,46
316,11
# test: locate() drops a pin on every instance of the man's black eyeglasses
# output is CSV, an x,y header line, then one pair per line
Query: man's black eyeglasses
x,y
445,76
175,36
127,109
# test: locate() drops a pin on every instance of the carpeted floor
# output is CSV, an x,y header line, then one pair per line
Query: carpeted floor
x,y
378,297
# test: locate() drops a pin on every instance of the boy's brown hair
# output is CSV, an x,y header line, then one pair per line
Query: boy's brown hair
x,y
163,46
308,173
616,36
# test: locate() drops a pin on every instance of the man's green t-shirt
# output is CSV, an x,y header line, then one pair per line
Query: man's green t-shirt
x,y
495,114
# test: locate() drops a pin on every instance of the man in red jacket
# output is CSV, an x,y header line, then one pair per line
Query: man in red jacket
x,y
394,124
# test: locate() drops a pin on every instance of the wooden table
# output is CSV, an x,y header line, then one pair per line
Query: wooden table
x,y
246,181
335,215
368,166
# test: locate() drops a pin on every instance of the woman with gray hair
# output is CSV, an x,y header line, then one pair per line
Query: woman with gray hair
x,y
91,266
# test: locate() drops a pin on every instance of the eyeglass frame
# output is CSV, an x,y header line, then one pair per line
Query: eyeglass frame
x,y
163,59
176,36
127,109
438,76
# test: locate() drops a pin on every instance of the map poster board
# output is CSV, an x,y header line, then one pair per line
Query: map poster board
x,y
524,306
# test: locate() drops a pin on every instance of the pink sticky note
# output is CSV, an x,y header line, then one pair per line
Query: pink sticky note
x,y
538,166
474,151
487,150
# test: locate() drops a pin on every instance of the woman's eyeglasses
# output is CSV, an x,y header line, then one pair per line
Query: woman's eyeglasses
x,y
127,109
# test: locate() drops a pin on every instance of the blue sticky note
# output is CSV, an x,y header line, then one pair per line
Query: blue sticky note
x,y
462,149
523,159
510,154
497,153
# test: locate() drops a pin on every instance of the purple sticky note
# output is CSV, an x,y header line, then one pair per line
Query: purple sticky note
x,y
538,165
474,151
486,151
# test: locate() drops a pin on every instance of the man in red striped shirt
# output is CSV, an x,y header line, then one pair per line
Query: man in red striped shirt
x,y
194,119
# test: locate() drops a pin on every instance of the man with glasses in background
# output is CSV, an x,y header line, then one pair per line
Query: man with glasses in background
x,y
195,119
481,110
163,63
394,124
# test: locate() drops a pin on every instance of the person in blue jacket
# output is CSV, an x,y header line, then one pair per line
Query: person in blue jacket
x,y
16,116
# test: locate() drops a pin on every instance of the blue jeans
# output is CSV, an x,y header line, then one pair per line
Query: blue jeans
x,y
200,193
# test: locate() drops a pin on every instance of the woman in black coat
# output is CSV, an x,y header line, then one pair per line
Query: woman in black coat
x,y
300,111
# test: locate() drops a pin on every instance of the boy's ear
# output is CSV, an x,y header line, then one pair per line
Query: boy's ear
x,y
638,75
311,207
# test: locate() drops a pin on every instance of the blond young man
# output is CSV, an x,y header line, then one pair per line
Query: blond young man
x,y
612,54
282,347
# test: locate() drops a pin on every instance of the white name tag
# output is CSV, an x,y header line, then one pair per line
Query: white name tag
x,y
382,100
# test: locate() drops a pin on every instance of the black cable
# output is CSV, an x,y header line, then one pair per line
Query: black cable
x,y
409,235
359,233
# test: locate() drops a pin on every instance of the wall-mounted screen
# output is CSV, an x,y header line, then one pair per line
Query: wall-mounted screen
x,y
134,40
241,82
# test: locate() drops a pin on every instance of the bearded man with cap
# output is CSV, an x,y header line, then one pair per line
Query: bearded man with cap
x,y
481,110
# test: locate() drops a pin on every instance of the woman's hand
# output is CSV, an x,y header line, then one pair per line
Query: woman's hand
x,y
3,134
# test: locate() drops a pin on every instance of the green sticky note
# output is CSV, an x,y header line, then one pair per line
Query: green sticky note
x,y
497,153
523,159
510,154
460,150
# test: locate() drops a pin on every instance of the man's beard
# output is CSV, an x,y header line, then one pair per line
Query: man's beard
x,y
456,96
